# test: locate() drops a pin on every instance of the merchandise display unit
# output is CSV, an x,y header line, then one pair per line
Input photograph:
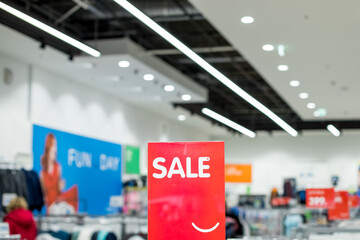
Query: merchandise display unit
x,y
122,226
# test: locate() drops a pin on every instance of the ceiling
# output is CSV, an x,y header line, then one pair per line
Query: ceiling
x,y
321,49
313,51
104,74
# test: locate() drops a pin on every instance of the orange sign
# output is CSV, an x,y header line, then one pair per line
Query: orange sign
x,y
238,173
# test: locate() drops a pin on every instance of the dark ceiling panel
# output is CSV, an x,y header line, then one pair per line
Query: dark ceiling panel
x,y
37,34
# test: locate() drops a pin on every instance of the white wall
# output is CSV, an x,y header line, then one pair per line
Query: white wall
x,y
70,106
312,159
15,128
66,105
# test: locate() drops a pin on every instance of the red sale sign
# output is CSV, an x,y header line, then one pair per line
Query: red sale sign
x,y
341,209
186,191
353,201
320,198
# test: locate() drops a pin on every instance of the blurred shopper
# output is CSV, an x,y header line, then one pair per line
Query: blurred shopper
x,y
232,223
20,219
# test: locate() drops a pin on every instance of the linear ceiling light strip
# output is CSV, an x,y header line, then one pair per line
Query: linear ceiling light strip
x,y
205,65
50,30
228,122
333,130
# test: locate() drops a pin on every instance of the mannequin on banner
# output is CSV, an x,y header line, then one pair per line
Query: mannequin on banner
x,y
53,185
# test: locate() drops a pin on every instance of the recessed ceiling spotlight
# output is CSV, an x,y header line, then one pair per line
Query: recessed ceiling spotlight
x,y
294,83
304,95
181,117
148,77
247,19
311,105
169,88
283,68
124,64
321,112
268,47
171,39
186,97
281,50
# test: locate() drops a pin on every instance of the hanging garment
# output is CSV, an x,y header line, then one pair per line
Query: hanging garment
x,y
102,235
1,198
75,236
45,236
21,184
105,235
85,234
291,222
13,181
233,226
94,236
35,195
62,235
111,236
136,237
21,222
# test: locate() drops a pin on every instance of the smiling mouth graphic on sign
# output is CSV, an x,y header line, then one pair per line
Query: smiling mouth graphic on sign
x,y
205,230
186,191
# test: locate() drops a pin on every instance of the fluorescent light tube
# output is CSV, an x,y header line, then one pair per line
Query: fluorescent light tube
x,y
228,122
50,30
333,130
205,65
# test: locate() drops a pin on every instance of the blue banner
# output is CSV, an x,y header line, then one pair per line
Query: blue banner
x,y
77,173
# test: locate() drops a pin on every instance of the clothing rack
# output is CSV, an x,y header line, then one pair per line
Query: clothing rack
x,y
21,182
77,219
265,222
11,165
11,237
262,238
307,231
125,224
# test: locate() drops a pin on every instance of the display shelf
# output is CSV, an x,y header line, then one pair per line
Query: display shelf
x,y
121,225
11,237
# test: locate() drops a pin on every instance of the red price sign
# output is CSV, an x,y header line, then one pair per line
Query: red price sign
x,y
320,197
280,201
341,209
186,191
353,201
